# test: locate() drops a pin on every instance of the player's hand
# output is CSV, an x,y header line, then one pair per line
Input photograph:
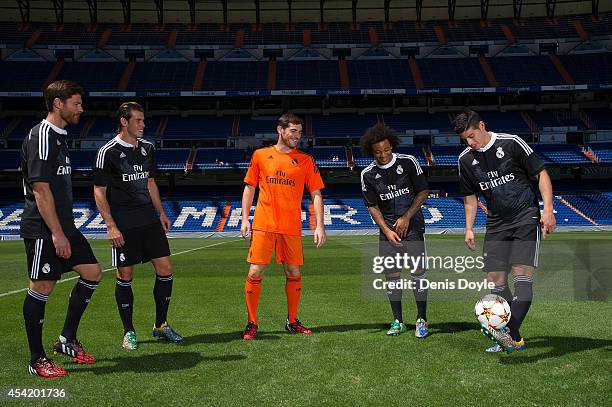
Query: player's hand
x,y
393,237
62,246
245,229
319,237
469,240
115,236
164,221
402,225
548,222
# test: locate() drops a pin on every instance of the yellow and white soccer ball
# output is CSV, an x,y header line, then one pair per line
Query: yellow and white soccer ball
x,y
492,311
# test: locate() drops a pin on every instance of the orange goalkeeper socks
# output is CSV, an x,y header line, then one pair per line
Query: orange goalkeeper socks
x,y
293,289
252,289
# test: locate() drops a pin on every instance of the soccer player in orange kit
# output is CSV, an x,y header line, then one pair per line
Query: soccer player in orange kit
x,y
281,172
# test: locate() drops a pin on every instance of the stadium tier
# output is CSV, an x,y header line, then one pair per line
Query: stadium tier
x,y
327,157
349,214
235,76
328,126
597,207
560,153
152,35
603,152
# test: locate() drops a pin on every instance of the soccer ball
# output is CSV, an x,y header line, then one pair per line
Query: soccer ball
x,y
492,311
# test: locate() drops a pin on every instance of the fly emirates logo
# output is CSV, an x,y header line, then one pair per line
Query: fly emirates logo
x,y
137,175
495,180
280,178
394,192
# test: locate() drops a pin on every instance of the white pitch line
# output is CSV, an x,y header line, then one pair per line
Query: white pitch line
x,y
113,268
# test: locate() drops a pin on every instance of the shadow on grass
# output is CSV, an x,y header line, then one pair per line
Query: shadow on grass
x,y
560,346
224,337
323,329
162,362
451,327
263,335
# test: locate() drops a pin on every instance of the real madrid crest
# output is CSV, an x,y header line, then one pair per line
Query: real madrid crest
x,y
144,152
499,153
399,170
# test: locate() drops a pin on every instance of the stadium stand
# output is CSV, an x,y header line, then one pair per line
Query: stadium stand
x,y
308,75
194,127
560,153
9,160
340,214
597,207
603,151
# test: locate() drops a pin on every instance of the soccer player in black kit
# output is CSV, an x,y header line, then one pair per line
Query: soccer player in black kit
x,y
394,187
128,200
53,244
505,171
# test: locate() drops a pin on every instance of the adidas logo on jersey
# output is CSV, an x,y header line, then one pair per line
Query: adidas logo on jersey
x,y
475,162
143,151
377,176
122,155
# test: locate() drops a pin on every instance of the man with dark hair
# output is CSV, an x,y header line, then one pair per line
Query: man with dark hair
x,y
53,244
128,200
394,187
504,169
281,172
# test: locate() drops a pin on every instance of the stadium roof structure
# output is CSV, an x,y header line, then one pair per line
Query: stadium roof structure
x,y
286,11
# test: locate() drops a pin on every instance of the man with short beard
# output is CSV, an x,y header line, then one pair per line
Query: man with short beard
x,y
53,243
281,172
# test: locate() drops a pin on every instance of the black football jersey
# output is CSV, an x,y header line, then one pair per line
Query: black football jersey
x,y
45,158
125,171
392,189
503,172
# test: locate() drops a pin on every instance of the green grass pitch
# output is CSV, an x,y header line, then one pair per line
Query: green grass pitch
x,y
348,361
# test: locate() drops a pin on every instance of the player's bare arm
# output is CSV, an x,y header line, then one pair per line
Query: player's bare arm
x,y
157,203
46,207
378,218
402,225
113,232
319,233
547,219
470,204
247,201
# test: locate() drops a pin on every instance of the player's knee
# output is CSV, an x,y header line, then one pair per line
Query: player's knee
x,y
498,278
164,269
97,273
92,272
124,273
522,270
293,271
44,287
392,276
257,270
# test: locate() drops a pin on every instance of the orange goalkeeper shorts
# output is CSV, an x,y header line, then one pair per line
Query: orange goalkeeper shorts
x,y
288,248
